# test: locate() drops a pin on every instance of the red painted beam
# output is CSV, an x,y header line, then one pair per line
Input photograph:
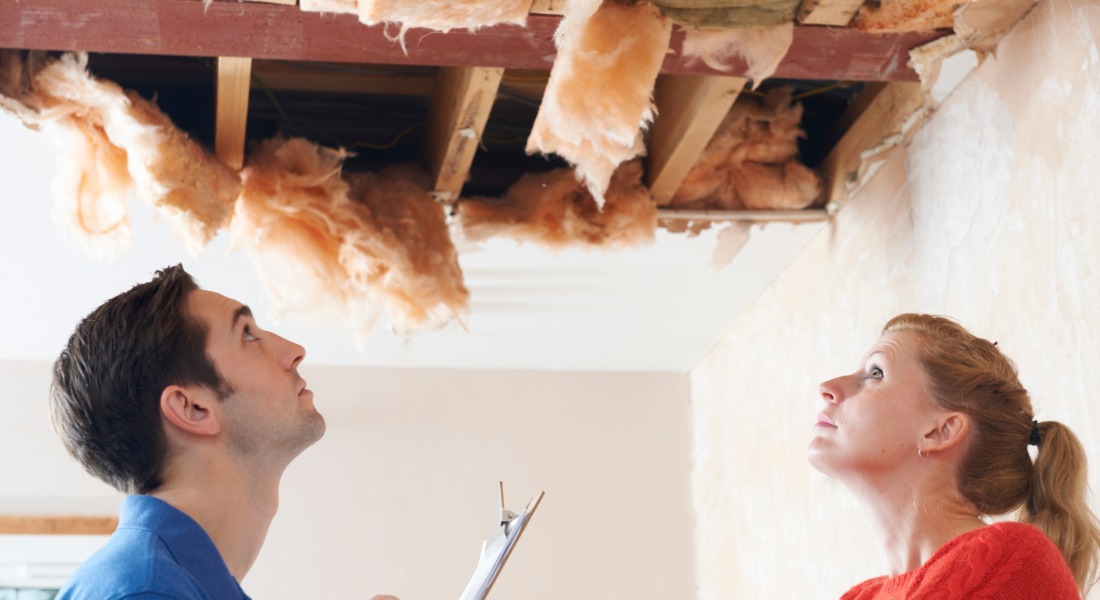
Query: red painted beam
x,y
274,31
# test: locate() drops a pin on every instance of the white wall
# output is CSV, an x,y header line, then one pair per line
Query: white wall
x,y
992,215
396,498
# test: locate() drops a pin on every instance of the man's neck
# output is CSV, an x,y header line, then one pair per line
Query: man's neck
x,y
233,508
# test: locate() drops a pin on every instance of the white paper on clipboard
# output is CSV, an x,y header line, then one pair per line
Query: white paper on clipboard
x,y
495,550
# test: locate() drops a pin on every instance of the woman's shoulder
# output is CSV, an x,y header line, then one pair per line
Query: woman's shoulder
x,y
1005,560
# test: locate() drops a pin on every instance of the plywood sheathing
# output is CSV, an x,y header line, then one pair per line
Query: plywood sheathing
x,y
184,28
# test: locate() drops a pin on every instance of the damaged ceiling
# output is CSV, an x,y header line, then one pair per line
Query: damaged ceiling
x,y
588,169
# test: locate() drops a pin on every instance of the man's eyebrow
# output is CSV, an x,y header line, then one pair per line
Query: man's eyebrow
x,y
243,311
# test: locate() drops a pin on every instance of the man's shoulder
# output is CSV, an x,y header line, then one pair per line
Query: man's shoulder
x,y
134,564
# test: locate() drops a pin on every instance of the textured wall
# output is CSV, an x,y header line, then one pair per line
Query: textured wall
x,y
992,216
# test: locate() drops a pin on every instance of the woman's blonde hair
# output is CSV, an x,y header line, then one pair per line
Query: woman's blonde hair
x,y
970,375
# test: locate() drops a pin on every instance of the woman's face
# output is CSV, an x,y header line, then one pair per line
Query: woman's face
x,y
873,419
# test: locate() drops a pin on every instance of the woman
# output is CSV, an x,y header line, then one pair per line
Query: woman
x,y
931,434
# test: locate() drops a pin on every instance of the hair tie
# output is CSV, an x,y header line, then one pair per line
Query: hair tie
x,y
1034,439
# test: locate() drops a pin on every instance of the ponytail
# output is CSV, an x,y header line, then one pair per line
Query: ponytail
x,y
1056,501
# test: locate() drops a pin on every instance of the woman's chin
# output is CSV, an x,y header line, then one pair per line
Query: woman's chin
x,y
819,454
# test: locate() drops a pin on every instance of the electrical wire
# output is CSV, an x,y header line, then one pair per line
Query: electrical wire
x,y
391,142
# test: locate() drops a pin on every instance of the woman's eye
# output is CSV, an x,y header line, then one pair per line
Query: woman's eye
x,y
876,372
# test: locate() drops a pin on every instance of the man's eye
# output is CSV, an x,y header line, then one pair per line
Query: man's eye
x,y
248,337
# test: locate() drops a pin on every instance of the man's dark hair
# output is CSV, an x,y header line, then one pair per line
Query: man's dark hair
x,y
107,383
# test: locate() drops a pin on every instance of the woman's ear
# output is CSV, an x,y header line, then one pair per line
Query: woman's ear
x,y
189,410
950,429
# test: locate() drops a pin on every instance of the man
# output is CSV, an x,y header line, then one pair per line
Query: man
x,y
173,394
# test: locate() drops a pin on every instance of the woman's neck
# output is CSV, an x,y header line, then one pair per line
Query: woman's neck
x,y
914,519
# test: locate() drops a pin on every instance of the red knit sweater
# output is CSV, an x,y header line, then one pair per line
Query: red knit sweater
x,y
1007,561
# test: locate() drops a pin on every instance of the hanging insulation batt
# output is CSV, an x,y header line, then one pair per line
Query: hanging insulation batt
x,y
114,144
761,49
599,97
331,248
554,210
752,163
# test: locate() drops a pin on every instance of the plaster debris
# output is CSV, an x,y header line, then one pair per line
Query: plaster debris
x,y
752,163
116,144
899,16
554,210
346,247
761,49
443,15
929,60
599,97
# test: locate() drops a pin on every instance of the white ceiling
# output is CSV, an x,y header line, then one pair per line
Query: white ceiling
x,y
656,309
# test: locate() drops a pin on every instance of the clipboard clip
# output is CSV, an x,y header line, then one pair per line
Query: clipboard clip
x,y
498,526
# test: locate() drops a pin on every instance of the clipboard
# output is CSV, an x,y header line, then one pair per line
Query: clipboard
x,y
506,527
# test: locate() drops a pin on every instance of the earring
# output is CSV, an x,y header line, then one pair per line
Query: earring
x,y
922,456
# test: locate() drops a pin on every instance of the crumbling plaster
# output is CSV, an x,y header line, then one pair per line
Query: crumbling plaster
x,y
991,215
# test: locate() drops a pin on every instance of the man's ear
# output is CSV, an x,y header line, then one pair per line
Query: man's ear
x,y
189,411
950,429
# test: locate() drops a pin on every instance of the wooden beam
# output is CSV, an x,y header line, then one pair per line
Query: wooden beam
x,y
689,110
456,119
877,120
234,79
57,525
548,7
827,12
277,32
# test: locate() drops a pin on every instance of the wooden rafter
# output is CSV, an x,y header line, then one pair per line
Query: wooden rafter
x,y
460,108
689,110
827,12
56,525
877,119
274,31
234,76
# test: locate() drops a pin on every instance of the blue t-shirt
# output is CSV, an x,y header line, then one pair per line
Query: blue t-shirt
x,y
157,552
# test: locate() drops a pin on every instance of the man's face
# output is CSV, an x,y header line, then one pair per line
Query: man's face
x,y
269,414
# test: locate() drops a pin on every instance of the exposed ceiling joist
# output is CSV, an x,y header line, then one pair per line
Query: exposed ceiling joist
x,y
878,118
827,12
273,31
234,76
689,110
460,108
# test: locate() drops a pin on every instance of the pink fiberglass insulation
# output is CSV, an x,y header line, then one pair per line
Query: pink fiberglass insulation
x,y
554,210
338,247
599,97
899,16
114,144
752,163
761,49
443,15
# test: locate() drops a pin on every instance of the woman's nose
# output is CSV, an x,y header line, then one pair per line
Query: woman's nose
x,y
830,391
